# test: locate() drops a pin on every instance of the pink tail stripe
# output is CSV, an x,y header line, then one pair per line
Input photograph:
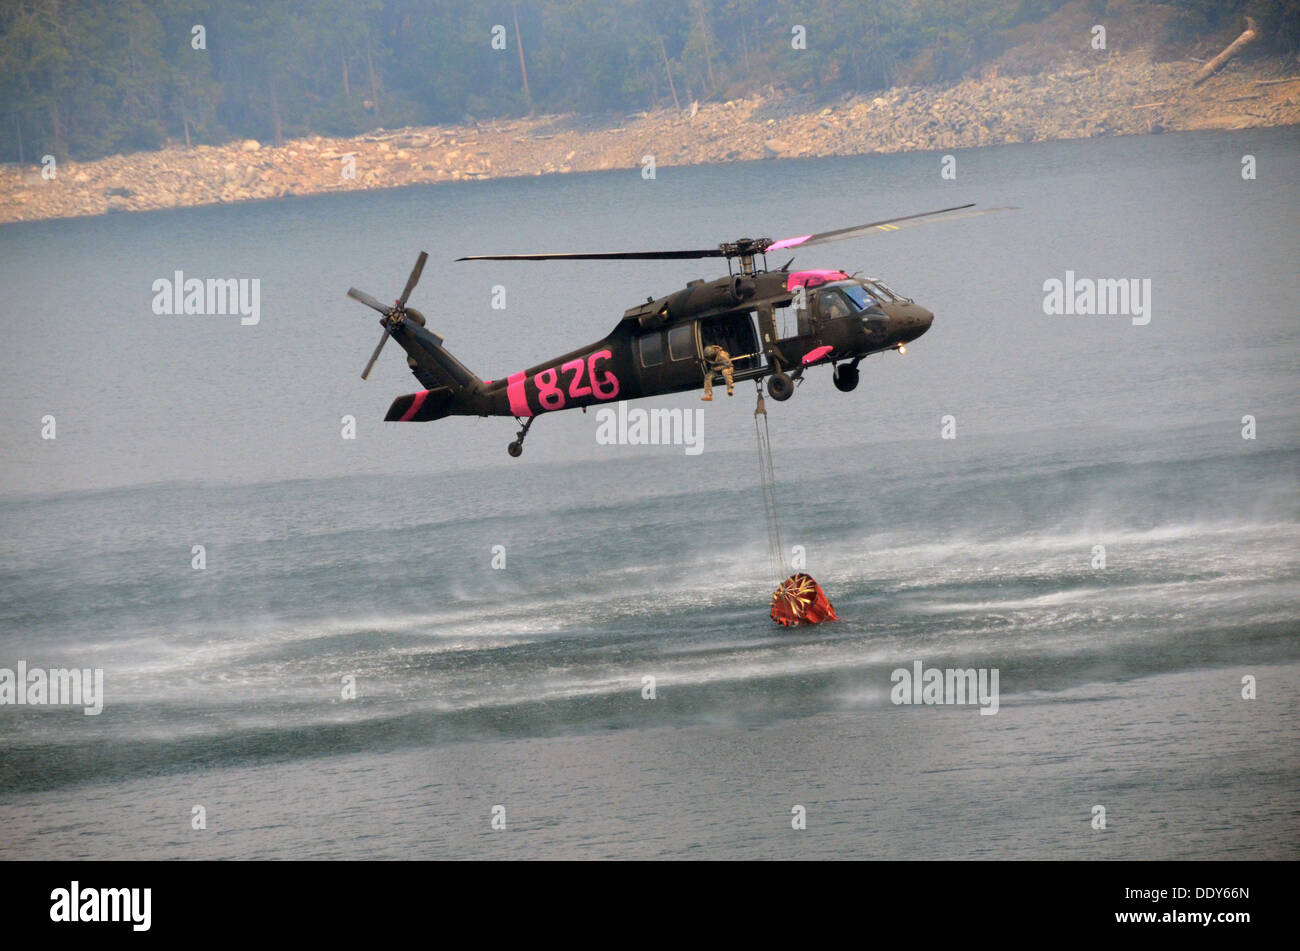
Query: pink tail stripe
x,y
414,408
516,395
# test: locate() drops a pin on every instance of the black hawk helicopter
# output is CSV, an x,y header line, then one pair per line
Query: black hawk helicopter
x,y
658,347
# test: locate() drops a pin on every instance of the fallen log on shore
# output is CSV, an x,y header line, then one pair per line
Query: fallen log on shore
x,y
1249,36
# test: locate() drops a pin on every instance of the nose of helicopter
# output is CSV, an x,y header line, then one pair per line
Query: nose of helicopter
x,y
912,321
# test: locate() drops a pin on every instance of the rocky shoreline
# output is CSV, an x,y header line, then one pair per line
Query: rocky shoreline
x,y
1089,96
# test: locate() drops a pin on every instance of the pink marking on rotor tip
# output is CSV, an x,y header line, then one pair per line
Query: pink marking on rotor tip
x,y
414,408
812,356
812,278
788,242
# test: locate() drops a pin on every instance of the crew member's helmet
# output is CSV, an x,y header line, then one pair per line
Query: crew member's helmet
x,y
711,352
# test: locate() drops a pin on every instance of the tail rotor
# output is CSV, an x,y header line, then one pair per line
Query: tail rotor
x,y
394,315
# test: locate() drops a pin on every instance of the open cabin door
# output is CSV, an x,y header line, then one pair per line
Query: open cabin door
x,y
735,334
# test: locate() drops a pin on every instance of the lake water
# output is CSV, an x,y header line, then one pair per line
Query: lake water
x,y
371,558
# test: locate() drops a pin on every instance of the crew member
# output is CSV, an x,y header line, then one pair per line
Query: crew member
x,y
717,361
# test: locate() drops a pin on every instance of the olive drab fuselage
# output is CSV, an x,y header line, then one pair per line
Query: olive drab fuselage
x,y
658,347
771,324
750,325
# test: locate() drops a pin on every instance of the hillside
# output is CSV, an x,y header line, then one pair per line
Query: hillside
x,y
1047,84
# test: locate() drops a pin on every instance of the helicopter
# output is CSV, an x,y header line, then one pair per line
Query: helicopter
x,y
658,347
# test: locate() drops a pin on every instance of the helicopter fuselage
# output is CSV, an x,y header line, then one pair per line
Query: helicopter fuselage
x,y
658,347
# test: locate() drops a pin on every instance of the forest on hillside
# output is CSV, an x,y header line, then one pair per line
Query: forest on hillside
x,y
86,78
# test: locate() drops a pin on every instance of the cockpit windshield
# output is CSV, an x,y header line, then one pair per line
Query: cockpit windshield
x,y
861,298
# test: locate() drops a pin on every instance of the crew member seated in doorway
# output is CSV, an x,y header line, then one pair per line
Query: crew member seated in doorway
x,y
718,361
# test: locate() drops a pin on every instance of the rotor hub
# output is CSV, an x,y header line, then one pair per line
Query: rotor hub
x,y
746,249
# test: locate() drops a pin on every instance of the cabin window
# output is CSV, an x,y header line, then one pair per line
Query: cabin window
x,y
681,342
652,349
782,312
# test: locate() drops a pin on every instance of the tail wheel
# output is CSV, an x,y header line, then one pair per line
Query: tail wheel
x,y
780,387
845,378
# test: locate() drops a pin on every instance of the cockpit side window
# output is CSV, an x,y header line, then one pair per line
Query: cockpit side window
x,y
833,304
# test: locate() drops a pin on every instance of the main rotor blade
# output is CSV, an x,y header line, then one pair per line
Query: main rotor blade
x,y
601,256
888,224
411,281
365,374
368,300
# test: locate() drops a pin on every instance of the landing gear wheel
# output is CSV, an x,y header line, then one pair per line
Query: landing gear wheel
x,y
845,377
780,387
516,448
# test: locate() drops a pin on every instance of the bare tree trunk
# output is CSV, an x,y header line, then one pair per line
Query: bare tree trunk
x,y
56,127
347,83
523,69
669,69
1209,69
186,121
275,114
708,53
374,84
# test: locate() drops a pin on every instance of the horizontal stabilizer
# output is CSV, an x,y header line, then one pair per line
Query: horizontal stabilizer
x,y
422,407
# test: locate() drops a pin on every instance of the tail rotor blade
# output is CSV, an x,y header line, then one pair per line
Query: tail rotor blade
x,y
367,300
413,279
365,374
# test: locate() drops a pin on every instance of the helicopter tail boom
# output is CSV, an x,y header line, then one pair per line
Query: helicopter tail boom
x,y
432,363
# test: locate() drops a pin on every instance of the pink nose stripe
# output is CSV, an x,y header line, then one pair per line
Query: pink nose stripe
x,y
812,356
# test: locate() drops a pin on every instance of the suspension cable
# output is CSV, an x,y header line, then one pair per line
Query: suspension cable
x,y
767,479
